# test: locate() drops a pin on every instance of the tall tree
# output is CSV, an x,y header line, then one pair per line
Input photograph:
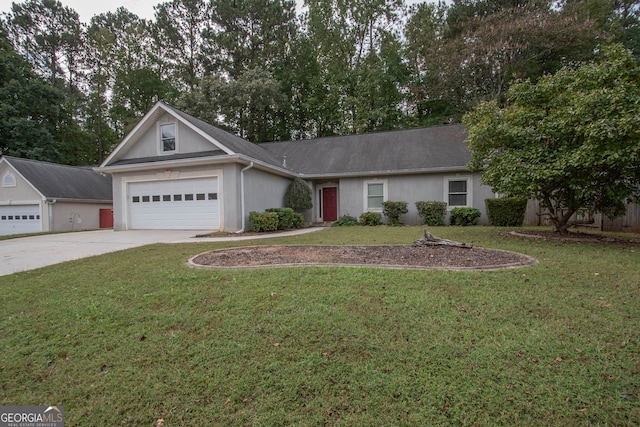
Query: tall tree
x,y
178,36
30,109
570,140
50,36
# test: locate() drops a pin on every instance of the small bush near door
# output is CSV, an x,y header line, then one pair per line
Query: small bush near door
x,y
370,218
432,213
464,216
506,212
345,221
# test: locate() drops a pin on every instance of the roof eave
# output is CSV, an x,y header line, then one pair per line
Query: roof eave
x,y
202,161
448,169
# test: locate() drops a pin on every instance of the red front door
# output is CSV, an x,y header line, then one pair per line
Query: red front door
x,y
329,204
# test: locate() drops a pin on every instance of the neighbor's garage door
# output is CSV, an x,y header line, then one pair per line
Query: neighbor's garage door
x,y
186,204
19,219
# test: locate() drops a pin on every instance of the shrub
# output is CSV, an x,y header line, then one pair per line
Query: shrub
x,y
370,218
298,195
263,221
345,221
394,210
506,212
287,218
464,216
432,213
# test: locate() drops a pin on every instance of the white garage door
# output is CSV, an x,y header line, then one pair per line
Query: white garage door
x,y
186,204
19,219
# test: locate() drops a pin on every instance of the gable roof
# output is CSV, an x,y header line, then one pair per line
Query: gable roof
x,y
223,143
63,182
438,148
432,149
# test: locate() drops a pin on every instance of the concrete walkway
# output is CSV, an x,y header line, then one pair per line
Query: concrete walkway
x,y
33,252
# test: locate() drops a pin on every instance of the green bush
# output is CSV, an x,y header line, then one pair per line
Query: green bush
x,y
345,221
394,210
298,195
464,216
506,212
287,218
263,221
432,213
370,218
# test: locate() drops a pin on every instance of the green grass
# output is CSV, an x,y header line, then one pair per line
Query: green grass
x,y
135,336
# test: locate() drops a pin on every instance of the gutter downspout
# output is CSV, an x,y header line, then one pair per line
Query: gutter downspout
x,y
242,195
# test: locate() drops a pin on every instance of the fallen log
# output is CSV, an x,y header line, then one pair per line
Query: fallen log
x,y
431,240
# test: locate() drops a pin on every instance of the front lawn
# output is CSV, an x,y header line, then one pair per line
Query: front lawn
x,y
135,337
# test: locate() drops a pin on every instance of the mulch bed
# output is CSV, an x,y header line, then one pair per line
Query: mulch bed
x,y
389,256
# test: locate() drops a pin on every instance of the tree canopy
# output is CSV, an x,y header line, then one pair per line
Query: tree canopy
x,y
570,140
268,70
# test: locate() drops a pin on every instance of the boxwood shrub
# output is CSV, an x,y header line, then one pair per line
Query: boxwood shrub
x,y
370,218
394,210
464,216
287,218
432,212
506,212
345,221
263,221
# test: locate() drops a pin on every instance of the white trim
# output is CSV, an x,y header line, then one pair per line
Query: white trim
x,y
469,193
365,192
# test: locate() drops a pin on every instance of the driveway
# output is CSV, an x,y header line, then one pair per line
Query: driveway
x,y
33,252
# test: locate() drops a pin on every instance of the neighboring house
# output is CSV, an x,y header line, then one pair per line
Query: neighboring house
x,y
39,196
173,171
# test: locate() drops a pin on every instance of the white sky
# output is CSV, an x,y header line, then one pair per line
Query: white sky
x,y
88,8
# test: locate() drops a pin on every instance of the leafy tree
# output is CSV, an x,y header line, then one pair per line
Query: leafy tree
x,y
571,140
30,109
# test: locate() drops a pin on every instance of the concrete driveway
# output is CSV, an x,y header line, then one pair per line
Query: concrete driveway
x,y
33,252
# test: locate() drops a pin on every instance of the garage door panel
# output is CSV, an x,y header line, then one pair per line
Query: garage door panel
x,y
190,204
19,219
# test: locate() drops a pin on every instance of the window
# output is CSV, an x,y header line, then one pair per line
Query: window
x,y
177,197
458,192
9,180
168,137
375,192
166,197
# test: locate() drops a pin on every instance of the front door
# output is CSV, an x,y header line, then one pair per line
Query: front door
x,y
329,204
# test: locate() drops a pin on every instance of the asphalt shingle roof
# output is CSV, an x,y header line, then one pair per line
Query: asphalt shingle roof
x,y
64,182
432,148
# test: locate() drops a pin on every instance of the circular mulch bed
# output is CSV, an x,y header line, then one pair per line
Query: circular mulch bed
x,y
386,256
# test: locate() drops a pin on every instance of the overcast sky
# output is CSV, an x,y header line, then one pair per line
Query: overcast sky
x,y
88,8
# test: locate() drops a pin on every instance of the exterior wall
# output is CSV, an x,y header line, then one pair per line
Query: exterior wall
x,y
69,216
187,141
22,194
410,189
262,191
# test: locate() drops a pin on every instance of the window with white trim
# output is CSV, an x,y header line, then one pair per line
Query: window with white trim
x,y
375,192
9,180
168,138
458,192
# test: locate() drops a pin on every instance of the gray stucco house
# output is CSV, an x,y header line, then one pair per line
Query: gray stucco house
x,y
174,171
40,196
